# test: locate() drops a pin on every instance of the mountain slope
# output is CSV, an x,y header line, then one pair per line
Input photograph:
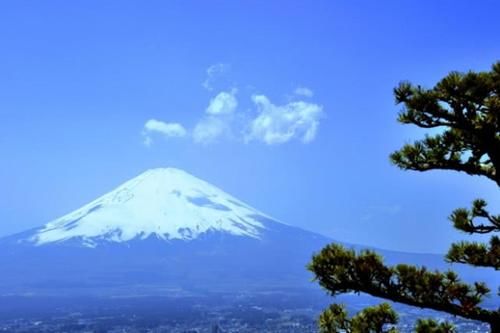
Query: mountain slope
x,y
165,203
164,230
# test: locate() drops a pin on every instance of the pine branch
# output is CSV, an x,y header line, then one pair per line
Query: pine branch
x,y
476,254
467,107
464,219
431,326
376,319
334,319
339,270
439,153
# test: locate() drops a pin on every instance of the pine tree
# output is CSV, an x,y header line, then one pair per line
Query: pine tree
x,y
465,107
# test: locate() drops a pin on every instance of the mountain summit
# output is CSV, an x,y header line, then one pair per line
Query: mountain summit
x,y
163,230
164,203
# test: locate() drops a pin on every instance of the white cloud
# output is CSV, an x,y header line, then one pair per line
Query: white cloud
x,y
222,104
209,129
303,91
277,124
272,124
167,130
213,73
218,119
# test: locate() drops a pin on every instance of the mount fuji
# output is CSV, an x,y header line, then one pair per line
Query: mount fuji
x,y
167,204
164,231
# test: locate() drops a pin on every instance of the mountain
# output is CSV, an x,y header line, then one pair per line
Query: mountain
x,y
164,231
167,204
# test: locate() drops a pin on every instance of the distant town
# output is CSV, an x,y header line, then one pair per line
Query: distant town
x,y
162,315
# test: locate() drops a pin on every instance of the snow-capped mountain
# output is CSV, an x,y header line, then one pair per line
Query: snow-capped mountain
x,y
164,203
164,230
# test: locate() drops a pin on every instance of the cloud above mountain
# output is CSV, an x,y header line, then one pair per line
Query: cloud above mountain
x,y
263,121
222,104
277,124
164,129
217,119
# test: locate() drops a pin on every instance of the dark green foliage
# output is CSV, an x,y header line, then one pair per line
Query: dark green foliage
x,y
466,109
473,253
431,326
375,319
341,270
463,219
476,254
334,319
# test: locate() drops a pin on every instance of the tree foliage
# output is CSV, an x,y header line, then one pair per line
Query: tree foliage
x,y
465,108
376,319
430,326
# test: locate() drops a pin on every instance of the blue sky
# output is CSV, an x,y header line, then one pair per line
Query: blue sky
x,y
93,93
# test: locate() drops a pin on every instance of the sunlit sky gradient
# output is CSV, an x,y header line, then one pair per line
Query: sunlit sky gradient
x,y
80,80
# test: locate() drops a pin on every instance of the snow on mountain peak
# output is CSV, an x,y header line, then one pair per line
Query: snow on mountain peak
x,y
167,203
